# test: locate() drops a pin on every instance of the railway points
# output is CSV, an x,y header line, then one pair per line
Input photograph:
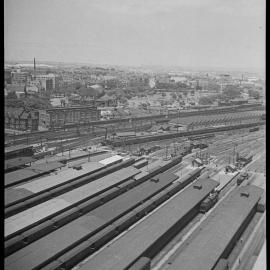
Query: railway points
x,y
106,213
47,210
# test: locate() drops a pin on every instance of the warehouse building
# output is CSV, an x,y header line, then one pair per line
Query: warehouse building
x,y
58,117
218,235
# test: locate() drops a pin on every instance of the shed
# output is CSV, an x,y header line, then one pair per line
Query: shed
x,y
17,162
231,168
197,162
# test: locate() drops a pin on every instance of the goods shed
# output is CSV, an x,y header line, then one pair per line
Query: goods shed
x,y
18,150
22,192
219,232
53,206
151,234
111,160
33,171
47,247
19,176
16,163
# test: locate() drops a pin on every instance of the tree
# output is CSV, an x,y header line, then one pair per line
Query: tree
x,y
253,93
90,92
208,100
205,101
163,95
11,95
231,91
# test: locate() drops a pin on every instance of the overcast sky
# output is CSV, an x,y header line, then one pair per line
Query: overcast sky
x,y
193,33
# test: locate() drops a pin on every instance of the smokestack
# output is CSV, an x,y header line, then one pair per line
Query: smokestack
x,y
34,68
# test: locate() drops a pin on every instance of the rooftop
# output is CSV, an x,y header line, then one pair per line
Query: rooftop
x,y
123,252
17,147
16,162
217,231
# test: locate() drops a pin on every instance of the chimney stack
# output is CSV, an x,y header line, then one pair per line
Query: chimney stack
x,y
34,68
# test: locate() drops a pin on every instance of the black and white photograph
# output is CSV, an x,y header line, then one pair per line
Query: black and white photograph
x,y
134,134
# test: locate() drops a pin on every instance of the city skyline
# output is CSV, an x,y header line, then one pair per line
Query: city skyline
x,y
212,34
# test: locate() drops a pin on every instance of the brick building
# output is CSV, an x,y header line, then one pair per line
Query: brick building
x,y
58,117
19,78
20,119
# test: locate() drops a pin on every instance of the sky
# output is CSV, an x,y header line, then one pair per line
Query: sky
x,y
184,33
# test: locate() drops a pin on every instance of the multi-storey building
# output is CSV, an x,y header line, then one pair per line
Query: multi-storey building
x,y
20,119
19,78
8,76
49,81
58,117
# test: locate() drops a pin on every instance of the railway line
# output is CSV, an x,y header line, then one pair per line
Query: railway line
x,y
145,139
22,197
40,226
146,238
77,130
218,245
131,214
142,207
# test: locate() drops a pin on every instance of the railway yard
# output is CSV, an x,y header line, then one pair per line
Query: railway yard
x,y
192,201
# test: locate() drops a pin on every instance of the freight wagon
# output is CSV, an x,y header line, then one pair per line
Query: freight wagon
x,y
72,256
87,247
145,139
262,203
242,177
18,240
254,129
216,237
243,160
50,189
16,151
141,163
201,137
147,238
209,202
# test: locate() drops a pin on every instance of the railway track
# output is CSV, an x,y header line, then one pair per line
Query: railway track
x,y
74,131
140,210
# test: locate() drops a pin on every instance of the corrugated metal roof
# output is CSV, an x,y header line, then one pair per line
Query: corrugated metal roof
x,y
56,179
46,167
12,195
79,228
216,233
16,162
224,178
39,212
110,160
23,191
19,175
35,253
32,215
135,242
16,147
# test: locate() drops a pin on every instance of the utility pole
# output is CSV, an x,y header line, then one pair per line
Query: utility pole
x,y
233,153
62,146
